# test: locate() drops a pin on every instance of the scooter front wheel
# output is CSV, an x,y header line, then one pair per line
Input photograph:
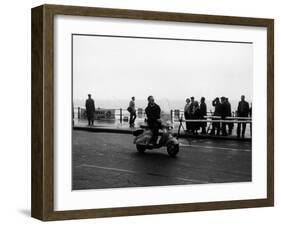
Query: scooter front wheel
x,y
140,148
173,149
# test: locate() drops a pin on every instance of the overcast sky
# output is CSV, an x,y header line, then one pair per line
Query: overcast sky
x,y
118,68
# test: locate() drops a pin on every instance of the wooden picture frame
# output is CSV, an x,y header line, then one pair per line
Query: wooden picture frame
x,y
42,203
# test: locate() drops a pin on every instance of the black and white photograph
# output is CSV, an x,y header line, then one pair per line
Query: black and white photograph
x,y
150,111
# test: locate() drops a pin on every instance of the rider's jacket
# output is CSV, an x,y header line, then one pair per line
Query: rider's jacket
x,y
152,113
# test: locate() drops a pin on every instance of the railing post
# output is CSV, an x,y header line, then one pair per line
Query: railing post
x,y
251,129
120,115
72,115
79,116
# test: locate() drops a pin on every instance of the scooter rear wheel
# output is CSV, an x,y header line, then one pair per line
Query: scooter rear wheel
x,y
140,148
173,149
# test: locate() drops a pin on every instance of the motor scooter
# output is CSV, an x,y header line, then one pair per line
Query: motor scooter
x,y
167,139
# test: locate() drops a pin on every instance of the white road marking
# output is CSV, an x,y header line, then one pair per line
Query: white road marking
x,y
146,173
214,147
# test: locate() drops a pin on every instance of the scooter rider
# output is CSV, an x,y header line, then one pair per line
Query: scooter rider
x,y
153,113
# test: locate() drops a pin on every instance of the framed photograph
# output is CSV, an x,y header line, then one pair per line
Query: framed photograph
x,y
142,112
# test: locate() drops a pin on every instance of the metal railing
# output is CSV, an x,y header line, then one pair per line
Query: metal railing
x,y
119,113
175,116
217,119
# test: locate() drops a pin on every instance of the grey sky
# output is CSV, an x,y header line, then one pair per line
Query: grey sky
x,y
118,68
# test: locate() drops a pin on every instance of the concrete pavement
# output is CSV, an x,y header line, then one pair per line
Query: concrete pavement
x,y
114,126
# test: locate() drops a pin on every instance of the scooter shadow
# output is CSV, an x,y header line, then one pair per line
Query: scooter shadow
x,y
154,155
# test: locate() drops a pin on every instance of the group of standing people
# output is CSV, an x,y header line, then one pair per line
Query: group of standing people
x,y
222,110
193,111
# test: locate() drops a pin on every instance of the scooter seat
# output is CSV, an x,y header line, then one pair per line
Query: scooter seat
x,y
144,126
138,132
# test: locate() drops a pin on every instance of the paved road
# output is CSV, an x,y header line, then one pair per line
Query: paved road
x,y
106,160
